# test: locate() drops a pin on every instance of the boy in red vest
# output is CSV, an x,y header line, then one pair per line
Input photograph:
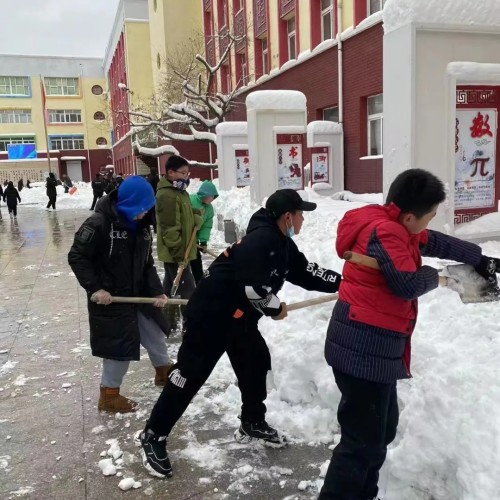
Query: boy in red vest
x,y
368,339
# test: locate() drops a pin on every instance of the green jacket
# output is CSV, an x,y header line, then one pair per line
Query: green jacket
x,y
176,221
206,209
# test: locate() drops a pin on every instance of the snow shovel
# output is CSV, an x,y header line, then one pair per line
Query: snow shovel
x,y
461,278
183,264
183,302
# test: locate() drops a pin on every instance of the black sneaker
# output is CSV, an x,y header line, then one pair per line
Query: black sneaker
x,y
154,453
261,432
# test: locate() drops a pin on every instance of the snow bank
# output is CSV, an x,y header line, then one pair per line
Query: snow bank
x,y
398,13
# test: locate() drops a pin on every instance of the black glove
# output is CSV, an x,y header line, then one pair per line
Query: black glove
x,y
487,268
202,246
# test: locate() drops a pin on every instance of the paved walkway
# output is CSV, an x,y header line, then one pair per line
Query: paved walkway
x,y
51,434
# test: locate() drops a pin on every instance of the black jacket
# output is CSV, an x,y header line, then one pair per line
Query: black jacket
x,y
51,187
107,255
244,280
98,187
11,195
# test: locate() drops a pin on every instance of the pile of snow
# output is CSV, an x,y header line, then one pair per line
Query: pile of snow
x,y
398,13
37,196
447,444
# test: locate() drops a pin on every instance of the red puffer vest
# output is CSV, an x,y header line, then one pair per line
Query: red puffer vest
x,y
365,289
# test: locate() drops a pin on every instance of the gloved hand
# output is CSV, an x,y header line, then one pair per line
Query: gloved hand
x,y
283,313
101,297
487,268
161,300
202,246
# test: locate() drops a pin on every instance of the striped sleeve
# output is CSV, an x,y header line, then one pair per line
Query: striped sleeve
x,y
447,247
398,267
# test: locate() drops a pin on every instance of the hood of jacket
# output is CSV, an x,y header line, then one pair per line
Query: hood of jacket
x,y
359,219
164,183
261,219
207,188
134,196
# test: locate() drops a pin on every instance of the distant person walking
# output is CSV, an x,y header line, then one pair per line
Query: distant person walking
x,y
20,184
11,197
98,185
51,184
28,184
1,194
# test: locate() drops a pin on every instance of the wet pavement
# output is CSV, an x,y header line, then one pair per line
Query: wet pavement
x,y
51,434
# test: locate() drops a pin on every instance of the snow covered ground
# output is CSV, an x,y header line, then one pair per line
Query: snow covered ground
x,y
448,444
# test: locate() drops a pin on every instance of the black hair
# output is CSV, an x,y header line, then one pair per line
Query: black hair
x,y
175,162
416,191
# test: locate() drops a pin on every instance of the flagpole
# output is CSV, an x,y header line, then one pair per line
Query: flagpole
x,y
44,113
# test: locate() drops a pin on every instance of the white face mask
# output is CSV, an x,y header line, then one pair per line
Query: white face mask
x,y
290,231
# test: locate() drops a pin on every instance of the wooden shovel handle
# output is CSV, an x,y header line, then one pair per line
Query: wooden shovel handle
x,y
183,302
184,263
365,260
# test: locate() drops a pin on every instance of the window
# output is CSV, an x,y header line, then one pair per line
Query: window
x,y
97,90
14,85
331,114
326,19
99,116
265,56
243,69
236,6
375,124
101,141
15,115
375,6
62,86
6,140
66,142
290,30
65,116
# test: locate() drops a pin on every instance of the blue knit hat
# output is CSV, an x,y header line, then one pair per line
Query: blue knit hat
x,y
135,196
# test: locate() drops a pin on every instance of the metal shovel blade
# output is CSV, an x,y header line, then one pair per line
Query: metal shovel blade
x,y
470,285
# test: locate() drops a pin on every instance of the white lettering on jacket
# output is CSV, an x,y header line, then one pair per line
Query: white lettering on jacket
x,y
321,272
118,235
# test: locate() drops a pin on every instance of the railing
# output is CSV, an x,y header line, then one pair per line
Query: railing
x,y
260,17
207,4
210,51
240,29
286,6
223,40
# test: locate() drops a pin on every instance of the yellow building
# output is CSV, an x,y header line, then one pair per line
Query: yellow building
x,y
78,135
128,68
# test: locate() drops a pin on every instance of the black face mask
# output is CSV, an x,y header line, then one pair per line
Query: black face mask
x,y
181,184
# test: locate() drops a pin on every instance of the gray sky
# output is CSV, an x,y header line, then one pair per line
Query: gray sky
x,y
56,27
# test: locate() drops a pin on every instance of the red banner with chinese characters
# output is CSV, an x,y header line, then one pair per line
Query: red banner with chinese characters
x,y
319,165
289,161
476,144
242,167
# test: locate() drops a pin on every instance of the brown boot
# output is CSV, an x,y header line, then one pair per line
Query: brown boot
x,y
111,400
162,372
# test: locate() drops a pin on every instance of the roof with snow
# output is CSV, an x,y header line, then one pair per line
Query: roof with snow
x,y
276,99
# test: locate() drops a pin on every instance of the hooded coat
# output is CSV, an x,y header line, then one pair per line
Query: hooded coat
x,y
371,325
207,188
176,221
51,185
11,195
111,253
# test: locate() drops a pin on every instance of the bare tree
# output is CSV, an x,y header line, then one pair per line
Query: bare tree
x,y
185,107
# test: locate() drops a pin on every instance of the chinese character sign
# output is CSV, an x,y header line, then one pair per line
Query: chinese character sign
x,y
289,161
242,167
475,158
319,165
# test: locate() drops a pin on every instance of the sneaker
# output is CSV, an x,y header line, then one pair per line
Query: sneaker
x,y
154,453
261,432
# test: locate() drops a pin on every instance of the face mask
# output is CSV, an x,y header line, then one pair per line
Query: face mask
x,y
290,231
181,184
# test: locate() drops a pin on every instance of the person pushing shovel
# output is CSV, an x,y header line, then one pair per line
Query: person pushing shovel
x,y
222,316
111,255
368,338
177,224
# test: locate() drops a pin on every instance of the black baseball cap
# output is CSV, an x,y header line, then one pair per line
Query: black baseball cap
x,y
287,200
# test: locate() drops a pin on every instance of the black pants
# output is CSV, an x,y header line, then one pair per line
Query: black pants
x,y
368,416
52,202
94,201
197,267
12,209
199,352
